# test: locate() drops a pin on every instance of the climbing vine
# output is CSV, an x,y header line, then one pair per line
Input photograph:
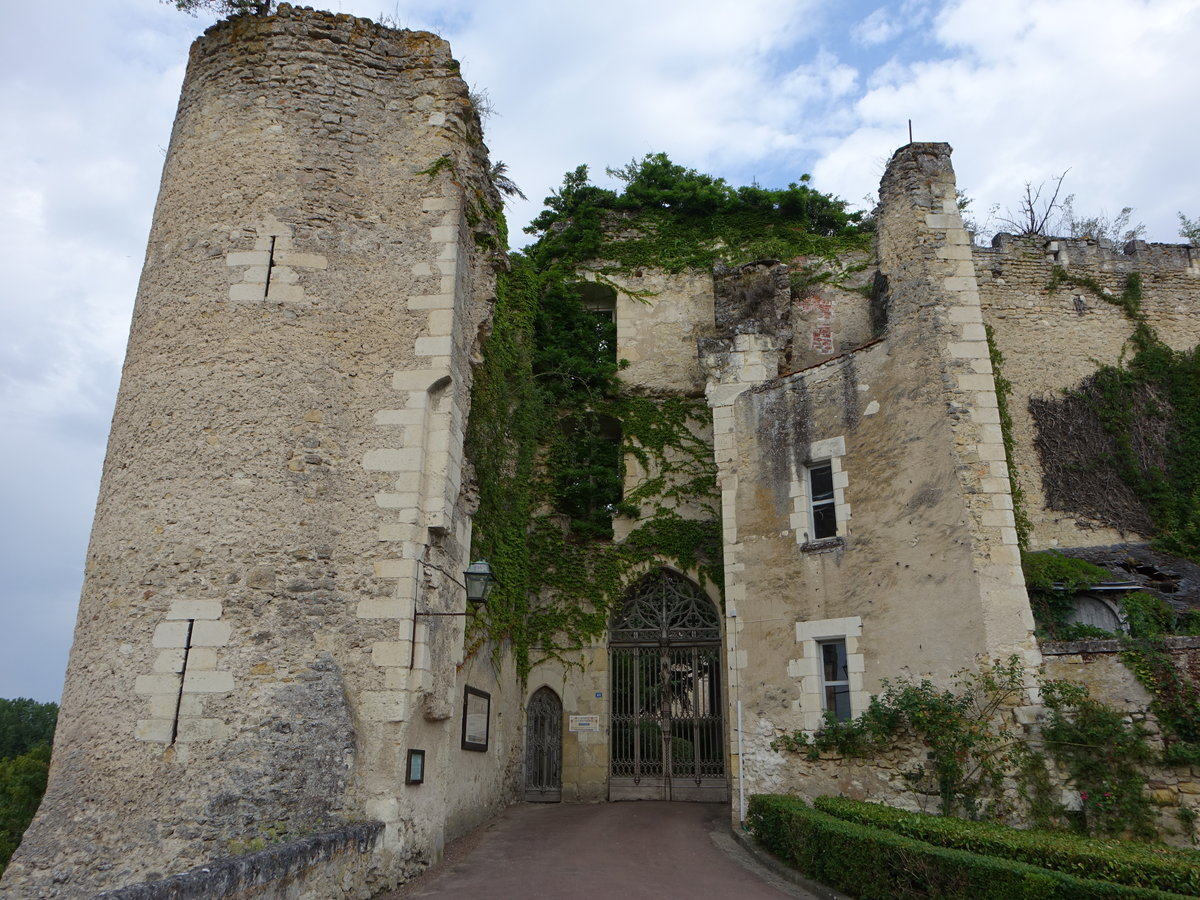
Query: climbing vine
x,y
1176,698
1146,415
1124,448
969,750
1054,579
1003,392
973,754
551,428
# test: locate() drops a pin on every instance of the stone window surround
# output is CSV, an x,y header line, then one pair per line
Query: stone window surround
x,y
829,450
807,667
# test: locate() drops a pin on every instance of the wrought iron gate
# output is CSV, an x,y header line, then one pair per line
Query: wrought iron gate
x,y
668,734
543,747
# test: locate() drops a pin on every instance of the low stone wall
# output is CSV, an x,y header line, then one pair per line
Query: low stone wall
x,y
888,777
1097,664
331,866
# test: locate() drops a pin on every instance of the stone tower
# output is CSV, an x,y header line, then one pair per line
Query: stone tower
x,y
283,488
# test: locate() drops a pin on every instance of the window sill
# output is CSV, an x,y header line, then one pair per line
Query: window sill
x,y
824,545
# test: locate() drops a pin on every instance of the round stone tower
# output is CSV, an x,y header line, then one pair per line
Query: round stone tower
x,y
283,486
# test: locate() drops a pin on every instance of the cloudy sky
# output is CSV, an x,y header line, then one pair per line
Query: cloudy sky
x,y
753,90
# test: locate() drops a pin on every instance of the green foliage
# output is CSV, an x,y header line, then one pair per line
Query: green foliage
x,y
1081,631
1176,698
1003,392
1101,227
1189,229
1051,571
1052,580
24,724
550,427
969,750
1123,862
225,7
1102,754
1157,440
26,731
22,784
1147,616
548,434
877,864
674,218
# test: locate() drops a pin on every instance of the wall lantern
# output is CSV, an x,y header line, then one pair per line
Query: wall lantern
x,y
480,582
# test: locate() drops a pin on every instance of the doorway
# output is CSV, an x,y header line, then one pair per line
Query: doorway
x,y
543,747
667,728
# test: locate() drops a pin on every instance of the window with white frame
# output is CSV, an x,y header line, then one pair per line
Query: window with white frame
x,y
821,500
835,679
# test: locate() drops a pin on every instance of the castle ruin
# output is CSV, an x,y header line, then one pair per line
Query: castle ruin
x,y
273,613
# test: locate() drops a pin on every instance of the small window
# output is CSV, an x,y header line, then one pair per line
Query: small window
x,y
835,679
820,487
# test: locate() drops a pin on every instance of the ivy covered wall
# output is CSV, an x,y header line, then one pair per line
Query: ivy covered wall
x,y
562,444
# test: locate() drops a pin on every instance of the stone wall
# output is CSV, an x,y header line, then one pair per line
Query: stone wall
x,y
331,866
1098,665
923,576
283,492
1052,341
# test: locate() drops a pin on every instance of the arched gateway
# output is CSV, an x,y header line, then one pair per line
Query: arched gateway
x,y
668,735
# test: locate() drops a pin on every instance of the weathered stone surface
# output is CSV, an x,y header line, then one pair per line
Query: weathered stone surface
x,y
237,528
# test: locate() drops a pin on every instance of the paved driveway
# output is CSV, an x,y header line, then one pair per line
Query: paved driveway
x,y
629,851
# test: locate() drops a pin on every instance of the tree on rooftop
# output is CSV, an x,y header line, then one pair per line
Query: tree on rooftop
x,y
225,7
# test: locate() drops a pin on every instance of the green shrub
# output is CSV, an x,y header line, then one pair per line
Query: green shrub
x,y
874,864
1137,865
1053,580
22,784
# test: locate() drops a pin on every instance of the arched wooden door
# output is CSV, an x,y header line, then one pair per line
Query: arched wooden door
x,y
543,747
668,732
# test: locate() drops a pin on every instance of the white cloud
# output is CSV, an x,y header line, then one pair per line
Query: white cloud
x,y
763,89
1039,86
877,28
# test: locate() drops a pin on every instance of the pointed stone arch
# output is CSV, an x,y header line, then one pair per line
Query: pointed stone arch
x,y
667,728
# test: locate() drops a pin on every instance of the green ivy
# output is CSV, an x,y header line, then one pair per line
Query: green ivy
x,y
673,218
551,427
1003,392
1168,480
1053,580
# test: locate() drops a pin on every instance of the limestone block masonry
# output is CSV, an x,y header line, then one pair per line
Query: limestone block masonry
x,y
283,485
1078,331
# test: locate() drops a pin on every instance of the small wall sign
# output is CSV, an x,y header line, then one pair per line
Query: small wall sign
x,y
584,723
477,706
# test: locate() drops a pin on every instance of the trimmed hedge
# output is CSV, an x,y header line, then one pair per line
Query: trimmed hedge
x,y
1139,865
873,864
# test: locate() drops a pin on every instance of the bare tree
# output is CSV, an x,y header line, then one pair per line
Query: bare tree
x,y
1036,211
